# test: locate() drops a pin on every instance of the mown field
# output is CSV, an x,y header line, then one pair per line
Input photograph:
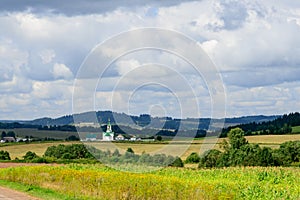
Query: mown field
x,y
100,182
273,141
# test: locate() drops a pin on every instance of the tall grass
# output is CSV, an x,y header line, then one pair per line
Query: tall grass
x,y
99,182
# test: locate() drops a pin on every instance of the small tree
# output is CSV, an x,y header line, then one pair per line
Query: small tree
x,y
159,138
130,150
11,134
210,158
177,163
4,155
193,158
236,138
3,134
30,155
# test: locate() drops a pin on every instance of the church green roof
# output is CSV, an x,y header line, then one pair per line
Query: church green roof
x,y
107,134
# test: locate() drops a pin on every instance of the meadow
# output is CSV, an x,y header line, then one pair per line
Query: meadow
x,y
100,182
19,149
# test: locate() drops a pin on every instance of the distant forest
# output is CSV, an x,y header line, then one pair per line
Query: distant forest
x,y
281,125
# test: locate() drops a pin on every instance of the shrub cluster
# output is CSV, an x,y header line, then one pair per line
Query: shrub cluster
x,y
4,155
78,153
238,152
130,157
74,151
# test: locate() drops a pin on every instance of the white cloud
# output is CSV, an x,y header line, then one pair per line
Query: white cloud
x,y
256,46
61,71
47,55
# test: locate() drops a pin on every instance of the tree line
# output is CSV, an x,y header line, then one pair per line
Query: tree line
x,y
238,152
89,154
281,125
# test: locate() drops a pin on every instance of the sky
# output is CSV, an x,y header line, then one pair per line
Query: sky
x,y
254,45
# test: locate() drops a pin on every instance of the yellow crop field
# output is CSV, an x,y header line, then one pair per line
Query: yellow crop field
x,y
100,182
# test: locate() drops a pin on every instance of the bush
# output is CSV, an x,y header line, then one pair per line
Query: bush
x,y
193,158
130,150
288,153
74,151
4,155
211,158
30,155
177,163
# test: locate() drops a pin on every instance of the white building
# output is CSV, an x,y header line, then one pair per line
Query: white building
x,y
120,137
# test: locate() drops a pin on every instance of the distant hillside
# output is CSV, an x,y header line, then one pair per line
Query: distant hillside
x,y
280,125
145,120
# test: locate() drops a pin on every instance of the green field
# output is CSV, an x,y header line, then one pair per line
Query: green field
x,y
100,182
296,129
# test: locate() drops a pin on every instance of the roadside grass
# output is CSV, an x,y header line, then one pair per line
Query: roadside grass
x,y
35,191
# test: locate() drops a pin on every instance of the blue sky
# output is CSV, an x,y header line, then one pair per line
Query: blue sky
x,y
254,44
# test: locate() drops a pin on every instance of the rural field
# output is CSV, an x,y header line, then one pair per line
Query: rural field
x,y
272,141
99,182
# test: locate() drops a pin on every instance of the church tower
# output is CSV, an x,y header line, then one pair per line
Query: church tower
x,y
108,135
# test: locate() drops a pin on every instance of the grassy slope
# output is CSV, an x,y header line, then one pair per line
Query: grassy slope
x,y
96,182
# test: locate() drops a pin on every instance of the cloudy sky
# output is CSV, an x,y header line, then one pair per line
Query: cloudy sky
x,y
255,45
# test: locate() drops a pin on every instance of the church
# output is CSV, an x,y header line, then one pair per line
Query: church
x,y
109,134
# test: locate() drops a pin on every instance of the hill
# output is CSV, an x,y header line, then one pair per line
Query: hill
x,y
145,120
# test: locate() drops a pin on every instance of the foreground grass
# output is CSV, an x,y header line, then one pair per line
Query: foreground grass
x,y
100,182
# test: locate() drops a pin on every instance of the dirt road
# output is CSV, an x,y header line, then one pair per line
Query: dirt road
x,y
8,194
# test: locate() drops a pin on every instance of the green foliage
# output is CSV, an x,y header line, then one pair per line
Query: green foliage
x,y
30,156
130,150
238,152
281,125
4,155
158,138
116,153
177,163
193,158
11,134
74,151
210,159
236,138
72,138
288,153
3,134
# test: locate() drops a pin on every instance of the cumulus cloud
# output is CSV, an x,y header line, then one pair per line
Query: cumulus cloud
x,y
77,7
61,71
255,45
